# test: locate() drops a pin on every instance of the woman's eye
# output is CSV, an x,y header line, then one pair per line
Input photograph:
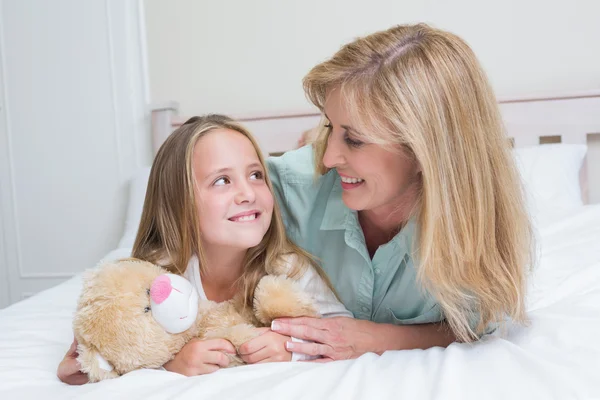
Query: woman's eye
x,y
327,125
351,142
256,175
147,309
222,181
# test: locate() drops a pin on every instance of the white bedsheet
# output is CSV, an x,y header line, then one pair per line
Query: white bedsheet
x,y
556,357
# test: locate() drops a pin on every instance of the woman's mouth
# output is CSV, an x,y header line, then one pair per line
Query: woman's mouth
x,y
349,182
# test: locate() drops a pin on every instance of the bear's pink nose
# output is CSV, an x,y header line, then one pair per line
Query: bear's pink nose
x,y
160,289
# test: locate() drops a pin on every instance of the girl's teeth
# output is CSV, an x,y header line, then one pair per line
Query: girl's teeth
x,y
351,180
246,218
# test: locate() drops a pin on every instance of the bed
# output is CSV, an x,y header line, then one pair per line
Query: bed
x,y
556,357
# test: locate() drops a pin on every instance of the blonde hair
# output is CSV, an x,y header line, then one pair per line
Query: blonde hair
x,y
169,232
423,90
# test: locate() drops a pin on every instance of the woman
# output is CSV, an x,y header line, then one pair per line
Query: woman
x,y
409,198
417,214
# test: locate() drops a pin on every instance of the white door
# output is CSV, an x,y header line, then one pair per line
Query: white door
x,y
73,129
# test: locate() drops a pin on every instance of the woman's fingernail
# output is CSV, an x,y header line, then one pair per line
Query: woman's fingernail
x,y
275,326
289,345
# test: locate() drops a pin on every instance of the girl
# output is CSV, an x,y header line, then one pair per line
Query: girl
x,y
210,216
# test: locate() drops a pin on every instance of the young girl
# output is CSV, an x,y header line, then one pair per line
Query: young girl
x,y
210,216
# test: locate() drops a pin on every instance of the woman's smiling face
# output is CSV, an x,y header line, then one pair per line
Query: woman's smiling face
x,y
373,176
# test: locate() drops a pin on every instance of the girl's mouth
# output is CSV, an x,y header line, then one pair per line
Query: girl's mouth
x,y
245,217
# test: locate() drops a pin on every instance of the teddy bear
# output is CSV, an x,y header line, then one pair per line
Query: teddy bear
x,y
133,314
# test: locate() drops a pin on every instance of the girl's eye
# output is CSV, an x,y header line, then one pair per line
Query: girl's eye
x,y
327,125
147,309
256,175
352,142
222,181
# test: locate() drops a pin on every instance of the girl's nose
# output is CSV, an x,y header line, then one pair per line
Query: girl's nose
x,y
245,194
160,289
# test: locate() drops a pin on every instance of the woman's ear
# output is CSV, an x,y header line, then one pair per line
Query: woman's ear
x,y
93,364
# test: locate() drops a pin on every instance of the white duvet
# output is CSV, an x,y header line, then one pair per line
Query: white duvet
x,y
556,357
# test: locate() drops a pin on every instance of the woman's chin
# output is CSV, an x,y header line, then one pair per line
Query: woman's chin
x,y
354,202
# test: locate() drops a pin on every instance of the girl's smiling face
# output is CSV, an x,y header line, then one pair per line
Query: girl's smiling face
x,y
234,203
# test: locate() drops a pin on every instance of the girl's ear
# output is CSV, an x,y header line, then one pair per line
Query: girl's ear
x,y
93,364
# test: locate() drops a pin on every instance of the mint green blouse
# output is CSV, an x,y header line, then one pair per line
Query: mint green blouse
x,y
382,289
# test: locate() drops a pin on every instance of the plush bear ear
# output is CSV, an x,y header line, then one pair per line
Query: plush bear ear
x,y
93,364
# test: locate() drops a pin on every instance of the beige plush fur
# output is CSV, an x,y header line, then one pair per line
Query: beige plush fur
x,y
112,318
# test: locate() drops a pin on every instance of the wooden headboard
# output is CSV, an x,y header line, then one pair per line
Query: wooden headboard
x,y
529,121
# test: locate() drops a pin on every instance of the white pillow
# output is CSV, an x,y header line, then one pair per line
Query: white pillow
x,y
550,174
137,194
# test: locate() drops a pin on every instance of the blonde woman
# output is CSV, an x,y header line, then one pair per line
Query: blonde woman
x,y
416,211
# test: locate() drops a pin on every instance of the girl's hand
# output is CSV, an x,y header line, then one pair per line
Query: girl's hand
x,y
268,347
200,357
68,369
339,338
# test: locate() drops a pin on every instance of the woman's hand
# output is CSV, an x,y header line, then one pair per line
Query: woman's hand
x,y
339,338
268,347
200,357
68,369
343,338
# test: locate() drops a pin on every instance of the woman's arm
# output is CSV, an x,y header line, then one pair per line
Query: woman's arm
x,y
326,303
271,346
346,338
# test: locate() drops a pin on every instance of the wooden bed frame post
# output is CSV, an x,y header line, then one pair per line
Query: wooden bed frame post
x,y
162,119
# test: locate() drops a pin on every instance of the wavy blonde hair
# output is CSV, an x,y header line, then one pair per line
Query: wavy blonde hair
x,y
169,231
423,90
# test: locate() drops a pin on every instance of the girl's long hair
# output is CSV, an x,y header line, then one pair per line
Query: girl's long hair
x,y
169,232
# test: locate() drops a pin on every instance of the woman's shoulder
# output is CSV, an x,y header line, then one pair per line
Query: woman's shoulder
x,y
293,174
298,190
295,166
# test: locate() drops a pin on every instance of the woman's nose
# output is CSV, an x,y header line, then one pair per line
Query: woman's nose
x,y
333,156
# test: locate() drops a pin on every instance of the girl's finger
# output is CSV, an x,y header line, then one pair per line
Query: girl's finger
x,y
216,358
253,345
207,369
220,345
257,357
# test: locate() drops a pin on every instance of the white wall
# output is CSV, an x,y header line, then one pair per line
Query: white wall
x,y
73,123
250,56
73,128
246,56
